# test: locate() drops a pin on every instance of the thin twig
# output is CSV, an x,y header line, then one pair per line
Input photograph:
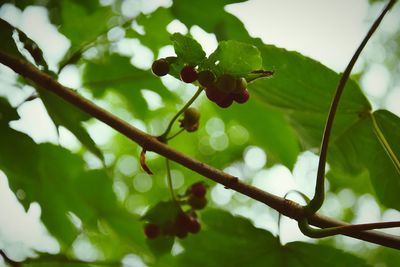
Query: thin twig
x,y
318,199
164,136
286,207
340,230
169,180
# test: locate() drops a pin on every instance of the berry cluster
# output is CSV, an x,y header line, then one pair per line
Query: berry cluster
x,y
222,90
225,89
184,222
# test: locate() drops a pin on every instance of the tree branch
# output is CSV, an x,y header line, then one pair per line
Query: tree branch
x,y
150,143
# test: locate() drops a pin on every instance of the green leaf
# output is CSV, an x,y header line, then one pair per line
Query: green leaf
x,y
371,148
7,43
33,49
162,213
224,235
116,73
155,27
213,18
56,179
69,116
7,112
161,245
188,49
82,24
55,263
268,129
235,58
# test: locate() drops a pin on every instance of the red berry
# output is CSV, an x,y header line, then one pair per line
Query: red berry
x,y
188,74
206,78
241,97
182,225
241,84
197,203
194,226
160,67
226,83
213,93
225,102
198,190
151,231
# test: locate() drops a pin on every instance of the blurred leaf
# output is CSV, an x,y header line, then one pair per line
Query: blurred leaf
x,y
162,213
235,58
161,245
226,240
56,179
212,17
82,23
371,148
33,49
268,129
384,257
7,44
69,116
155,27
188,49
7,112
116,73
55,263
302,89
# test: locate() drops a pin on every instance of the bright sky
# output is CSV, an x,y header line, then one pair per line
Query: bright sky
x,y
326,30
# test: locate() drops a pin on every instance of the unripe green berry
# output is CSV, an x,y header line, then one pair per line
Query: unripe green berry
x,y
241,84
190,121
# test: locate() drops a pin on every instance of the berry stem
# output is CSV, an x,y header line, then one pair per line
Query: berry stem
x,y
169,179
164,137
176,134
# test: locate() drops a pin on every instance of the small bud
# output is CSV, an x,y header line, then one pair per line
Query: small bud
x,y
190,121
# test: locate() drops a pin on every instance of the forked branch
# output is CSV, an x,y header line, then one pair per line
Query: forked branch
x,y
151,143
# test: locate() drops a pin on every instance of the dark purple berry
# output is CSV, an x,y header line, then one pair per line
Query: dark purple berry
x,y
182,225
188,74
151,231
206,78
226,83
225,102
197,203
213,94
194,226
198,190
241,97
160,67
